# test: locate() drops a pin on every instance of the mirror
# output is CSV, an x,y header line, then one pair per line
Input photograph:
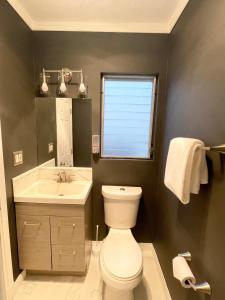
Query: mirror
x,y
64,131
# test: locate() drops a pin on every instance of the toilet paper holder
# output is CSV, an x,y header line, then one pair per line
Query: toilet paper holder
x,y
203,287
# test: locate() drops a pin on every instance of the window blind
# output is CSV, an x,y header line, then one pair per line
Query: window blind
x,y
127,116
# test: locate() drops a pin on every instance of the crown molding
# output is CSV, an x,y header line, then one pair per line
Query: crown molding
x,y
21,12
176,14
102,27
164,27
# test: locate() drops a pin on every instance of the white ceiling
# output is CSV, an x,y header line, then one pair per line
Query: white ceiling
x,y
150,16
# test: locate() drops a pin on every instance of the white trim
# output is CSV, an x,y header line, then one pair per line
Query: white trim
x,y
12,291
166,290
22,12
162,27
145,248
176,14
4,226
101,27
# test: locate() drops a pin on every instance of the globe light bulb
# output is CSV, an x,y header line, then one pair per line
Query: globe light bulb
x,y
62,88
82,89
44,86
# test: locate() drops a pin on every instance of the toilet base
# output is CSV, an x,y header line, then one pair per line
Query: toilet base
x,y
115,294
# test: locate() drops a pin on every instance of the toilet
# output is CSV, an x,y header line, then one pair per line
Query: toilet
x,y
121,261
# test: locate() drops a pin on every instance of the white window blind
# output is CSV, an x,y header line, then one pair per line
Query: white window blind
x,y
127,115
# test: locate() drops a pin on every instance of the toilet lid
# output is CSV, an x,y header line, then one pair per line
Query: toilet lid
x,y
121,254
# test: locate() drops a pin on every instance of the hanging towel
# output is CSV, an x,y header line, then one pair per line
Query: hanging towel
x,y
186,168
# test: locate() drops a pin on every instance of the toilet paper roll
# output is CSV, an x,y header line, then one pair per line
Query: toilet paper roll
x,y
182,272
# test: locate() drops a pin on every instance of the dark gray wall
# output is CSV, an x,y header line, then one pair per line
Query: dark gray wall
x,y
17,109
45,128
82,132
120,53
196,108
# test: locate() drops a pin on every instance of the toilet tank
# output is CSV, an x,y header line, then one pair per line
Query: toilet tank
x,y
121,205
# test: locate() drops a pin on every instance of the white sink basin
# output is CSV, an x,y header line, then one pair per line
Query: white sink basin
x,y
51,191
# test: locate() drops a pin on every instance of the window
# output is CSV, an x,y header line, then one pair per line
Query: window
x,y
127,116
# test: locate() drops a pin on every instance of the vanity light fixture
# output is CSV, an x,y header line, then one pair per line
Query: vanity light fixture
x,y
62,88
64,77
44,86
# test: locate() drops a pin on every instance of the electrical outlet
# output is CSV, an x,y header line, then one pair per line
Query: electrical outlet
x,y
18,158
50,147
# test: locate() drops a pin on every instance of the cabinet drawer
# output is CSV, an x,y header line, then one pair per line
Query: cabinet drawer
x,y
35,256
67,230
67,258
33,229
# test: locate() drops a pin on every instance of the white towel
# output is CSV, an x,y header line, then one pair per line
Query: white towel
x,y
186,168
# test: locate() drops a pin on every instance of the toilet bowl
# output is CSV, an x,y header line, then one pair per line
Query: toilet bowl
x,y
121,261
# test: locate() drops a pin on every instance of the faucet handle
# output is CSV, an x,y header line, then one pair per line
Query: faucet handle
x,y
59,176
68,177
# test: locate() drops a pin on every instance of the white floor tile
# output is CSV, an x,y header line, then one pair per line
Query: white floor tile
x,y
41,287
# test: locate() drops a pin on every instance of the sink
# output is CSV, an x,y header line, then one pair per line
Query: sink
x,y
51,187
40,185
51,191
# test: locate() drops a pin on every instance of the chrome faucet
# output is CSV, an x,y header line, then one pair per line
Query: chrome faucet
x,y
63,177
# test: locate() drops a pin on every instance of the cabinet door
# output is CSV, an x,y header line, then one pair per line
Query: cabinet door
x,y
67,230
33,233
68,258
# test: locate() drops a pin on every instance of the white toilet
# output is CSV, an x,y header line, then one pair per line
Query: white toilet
x,y
121,261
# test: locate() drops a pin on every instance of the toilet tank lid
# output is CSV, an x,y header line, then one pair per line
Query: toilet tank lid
x,y
121,192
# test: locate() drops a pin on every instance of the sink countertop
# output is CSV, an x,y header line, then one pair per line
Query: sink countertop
x,y
52,192
39,185
33,195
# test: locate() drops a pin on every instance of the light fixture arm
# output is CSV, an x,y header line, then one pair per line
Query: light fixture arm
x,y
59,71
44,76
62,71
81,77
62,76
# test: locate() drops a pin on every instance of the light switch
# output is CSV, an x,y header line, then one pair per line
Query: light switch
x,y
50,147
18,158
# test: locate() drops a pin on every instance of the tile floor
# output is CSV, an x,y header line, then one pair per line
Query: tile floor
x,y
35,287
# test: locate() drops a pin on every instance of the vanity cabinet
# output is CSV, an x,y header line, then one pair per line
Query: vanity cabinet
x,y
54,238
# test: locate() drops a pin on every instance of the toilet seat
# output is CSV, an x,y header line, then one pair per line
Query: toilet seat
x,y
121,255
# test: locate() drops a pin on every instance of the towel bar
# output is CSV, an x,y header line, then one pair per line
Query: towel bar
x,y
219,148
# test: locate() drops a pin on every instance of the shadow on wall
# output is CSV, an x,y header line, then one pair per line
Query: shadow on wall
x,y
191,229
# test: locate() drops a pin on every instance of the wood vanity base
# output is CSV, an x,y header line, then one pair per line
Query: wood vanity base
x,y
54,238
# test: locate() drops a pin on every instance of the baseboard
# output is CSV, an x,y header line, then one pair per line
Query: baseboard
x,y
12,290
167,293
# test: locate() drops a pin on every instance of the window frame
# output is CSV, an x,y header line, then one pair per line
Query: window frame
x,y
154,79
